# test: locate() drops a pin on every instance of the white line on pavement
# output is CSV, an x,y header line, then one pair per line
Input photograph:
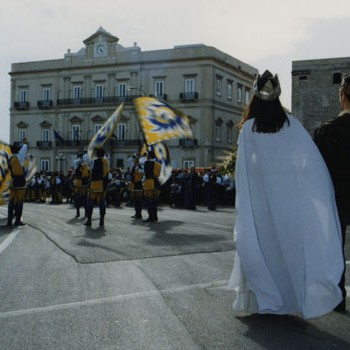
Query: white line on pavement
x,y
123,297
8,241
211,224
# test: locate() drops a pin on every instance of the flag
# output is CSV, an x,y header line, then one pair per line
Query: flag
x,y
160,122
162,156
5,176
57,136
106,131
30,166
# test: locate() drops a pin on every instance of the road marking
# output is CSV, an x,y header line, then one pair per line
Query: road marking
x,y
215,284
8,241
211,224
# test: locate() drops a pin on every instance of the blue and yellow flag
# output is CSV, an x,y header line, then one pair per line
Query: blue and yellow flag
x,y
106,131
162,156
5,175
160,122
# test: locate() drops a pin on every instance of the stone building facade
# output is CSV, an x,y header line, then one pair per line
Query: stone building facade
x,y
315,89
59,104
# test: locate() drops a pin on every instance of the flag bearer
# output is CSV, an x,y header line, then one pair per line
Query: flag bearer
x,y
151,186
18,183
98,186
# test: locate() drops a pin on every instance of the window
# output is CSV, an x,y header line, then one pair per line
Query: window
x,y
99,91
229,134
45,135
239,93
46,94
22,134
218,133
336,78
189,86
122,89
44,164
229,90
159,88
23,95
75,132
76,92
218,86
247,96
121,132
97,127
188,164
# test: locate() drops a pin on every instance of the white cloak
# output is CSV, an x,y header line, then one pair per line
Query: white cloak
x,y
288,240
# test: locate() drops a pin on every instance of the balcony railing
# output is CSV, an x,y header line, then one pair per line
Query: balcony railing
x,y
72,143
188,96
97,101
44,144
188,142
163,97
110,142
45,104
21,106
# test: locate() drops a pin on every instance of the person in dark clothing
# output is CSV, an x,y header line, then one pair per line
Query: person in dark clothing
x,y
333,141
136,188
151,186
191,183
81,179
18,184
98,186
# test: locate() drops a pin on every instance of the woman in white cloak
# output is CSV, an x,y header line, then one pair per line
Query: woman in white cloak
x,y
288,257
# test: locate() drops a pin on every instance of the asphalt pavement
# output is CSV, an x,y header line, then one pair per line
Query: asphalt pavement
x,y
135,285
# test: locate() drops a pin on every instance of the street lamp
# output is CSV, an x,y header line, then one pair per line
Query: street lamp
x,y
143,92
60,158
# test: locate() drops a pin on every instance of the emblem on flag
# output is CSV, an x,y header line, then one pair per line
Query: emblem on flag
x,y
160,122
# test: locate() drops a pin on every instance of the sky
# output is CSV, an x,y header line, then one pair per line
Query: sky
x,y
268,34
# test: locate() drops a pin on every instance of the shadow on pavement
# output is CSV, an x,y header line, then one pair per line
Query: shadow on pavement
x,y
289,332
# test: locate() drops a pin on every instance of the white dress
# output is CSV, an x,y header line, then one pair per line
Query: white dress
x,y
288,256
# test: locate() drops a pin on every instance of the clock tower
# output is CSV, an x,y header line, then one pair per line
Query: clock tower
x,y
101,44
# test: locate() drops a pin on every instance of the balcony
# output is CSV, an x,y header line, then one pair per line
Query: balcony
x,y
21,106
114,142
189,96
95,101
44,144
163,97
188,142
72,143
84,143
45,104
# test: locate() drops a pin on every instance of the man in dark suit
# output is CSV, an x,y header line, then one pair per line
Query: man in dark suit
x,y
333,141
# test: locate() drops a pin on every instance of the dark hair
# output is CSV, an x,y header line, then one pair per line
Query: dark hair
x,y
345,87
269,116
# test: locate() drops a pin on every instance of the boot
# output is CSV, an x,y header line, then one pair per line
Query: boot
x,y
78,213
102,221
88,220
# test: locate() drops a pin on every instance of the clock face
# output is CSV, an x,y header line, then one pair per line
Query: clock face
x,y
100,49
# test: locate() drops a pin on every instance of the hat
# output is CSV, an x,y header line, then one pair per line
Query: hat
x,y
267,87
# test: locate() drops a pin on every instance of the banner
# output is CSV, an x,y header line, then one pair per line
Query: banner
x,y
160,122
106,131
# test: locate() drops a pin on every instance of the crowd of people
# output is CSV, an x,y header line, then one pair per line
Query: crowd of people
x,y
185,189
